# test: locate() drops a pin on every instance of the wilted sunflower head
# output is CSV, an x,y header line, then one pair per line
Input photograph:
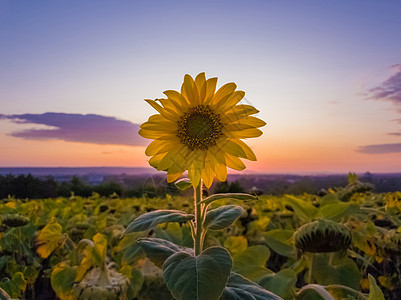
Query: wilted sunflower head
x,y
200,130
322,236
389,244
14,220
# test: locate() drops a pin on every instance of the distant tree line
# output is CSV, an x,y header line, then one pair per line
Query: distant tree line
x,y
28,186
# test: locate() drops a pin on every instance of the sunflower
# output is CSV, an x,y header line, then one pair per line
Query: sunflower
x,y
200,130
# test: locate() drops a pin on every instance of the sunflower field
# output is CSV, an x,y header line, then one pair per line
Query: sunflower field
x,y
345,244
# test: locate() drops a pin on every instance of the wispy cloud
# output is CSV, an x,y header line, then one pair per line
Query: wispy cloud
x,y
380,148
390,89
90,128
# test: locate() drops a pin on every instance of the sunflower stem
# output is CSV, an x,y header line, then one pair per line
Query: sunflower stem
x,y
198,218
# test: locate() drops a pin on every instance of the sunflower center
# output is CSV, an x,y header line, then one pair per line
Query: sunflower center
x,y
199,127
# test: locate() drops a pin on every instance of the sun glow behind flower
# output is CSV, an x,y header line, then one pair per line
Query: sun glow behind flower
x,y
305,71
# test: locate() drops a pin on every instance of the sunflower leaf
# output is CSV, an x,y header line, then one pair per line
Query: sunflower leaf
x,y
183,184
222,217
281,283
304,210
201,277
153,218
251,262
374,292
234,196
158,250
240,288
62,278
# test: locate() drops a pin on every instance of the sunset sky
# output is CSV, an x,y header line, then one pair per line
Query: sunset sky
x,y
325,75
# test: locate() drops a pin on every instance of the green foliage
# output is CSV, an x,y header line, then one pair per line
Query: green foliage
x,y
183,184
151,219
201,277
158,250
240,288
74,240
243,197
222,217
375,293
251,262
281,283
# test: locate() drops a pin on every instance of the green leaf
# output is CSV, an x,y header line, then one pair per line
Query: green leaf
x,y
281,283
136,278
343,271
304,210
130,249
251,262
222,217
236,244
201,277
62,278
19,281
158,250
14,287
336,211
329,198
279,240
240,288
183,184
100,249
30,274
234,196
153,218
50,238
375,292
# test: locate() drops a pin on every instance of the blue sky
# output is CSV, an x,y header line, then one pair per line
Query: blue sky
x,y
307,65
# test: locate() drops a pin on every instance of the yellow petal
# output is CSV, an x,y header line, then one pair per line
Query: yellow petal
x,y
159,146
170,106
223,92
237,127
155,160
219,165
195,170
200,82
245,123
248,151
158,119
231,101
173,177
161,110
160,127
151,134
208,171
251,121
210,89
242,134
230,147
207,175
238,112
234,162
172,158
189,90
174,173
177,98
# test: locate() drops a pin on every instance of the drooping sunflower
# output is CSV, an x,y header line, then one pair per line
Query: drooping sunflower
x,y
200,130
